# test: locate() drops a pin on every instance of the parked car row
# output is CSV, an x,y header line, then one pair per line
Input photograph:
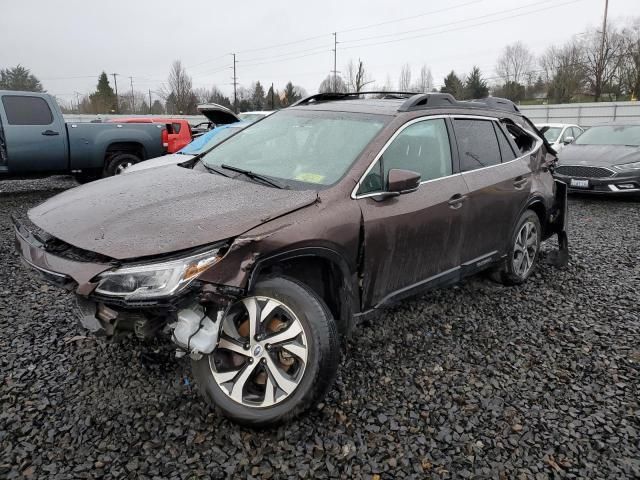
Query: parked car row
x,y
35,139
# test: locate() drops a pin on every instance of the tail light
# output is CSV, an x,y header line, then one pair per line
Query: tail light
x,y
165,138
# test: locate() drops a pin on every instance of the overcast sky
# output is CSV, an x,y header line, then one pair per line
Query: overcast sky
x,y
68,43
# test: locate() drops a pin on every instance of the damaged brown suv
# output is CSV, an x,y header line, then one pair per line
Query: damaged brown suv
x,y
256,257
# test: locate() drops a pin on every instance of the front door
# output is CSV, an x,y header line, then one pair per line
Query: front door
x,y
498,188
35,138
412,239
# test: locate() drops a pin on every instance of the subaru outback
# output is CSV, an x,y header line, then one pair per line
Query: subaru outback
x,y
257,257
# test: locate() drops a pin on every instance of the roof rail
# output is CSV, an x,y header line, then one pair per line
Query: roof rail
x,y
497,103
329,96
428,100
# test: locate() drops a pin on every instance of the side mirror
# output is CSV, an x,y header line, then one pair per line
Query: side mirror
x,y
399,182
403,181
568,140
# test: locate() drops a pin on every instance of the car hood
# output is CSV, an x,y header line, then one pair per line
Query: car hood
x,y
598,155
171,159
161,210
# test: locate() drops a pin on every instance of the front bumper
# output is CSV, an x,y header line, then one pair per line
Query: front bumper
x,y
620,183
64,272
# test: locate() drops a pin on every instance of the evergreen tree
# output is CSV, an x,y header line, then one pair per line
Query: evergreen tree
x,y
290,95
272,100
257,98
453,85
103,100
19,78
157,108
475,86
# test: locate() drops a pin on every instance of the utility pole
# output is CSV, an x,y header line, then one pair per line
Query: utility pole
x,y
235,85
604,29
272,95
115,82
77,100
335,55
149,100
133,102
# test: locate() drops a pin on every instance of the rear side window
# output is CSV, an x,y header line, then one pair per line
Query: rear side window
x,y
477,144
576,132
505,147
176,127
27,110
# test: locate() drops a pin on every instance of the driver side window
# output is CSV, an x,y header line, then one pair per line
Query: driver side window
x,y
422,147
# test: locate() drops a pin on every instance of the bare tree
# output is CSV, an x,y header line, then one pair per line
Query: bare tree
x,y
404,82
327,85
357,77
603,55
425,80
515,63
630,69
179,94
563,71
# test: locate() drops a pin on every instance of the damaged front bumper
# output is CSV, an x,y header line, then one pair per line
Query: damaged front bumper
x,y
192,318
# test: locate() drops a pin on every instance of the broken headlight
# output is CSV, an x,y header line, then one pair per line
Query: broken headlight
x,y
155,279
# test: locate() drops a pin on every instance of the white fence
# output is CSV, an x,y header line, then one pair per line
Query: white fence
x,y
583,114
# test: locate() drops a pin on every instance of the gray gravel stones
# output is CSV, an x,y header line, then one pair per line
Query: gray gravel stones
x,y
475,381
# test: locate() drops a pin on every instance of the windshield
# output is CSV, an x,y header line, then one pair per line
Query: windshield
x,y
209,140
302,146
611,135
552,134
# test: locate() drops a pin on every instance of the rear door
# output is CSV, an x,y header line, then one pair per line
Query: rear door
x,y
498,183
412,239
35,136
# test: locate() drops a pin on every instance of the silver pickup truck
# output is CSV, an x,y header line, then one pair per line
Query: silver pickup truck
x,y
36,141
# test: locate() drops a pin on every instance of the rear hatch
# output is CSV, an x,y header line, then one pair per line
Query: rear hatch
x,y
218,114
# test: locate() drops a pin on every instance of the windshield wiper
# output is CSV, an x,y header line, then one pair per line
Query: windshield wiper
x,y
214,170
254,176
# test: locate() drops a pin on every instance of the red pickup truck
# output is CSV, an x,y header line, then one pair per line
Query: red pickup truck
x,y
176,136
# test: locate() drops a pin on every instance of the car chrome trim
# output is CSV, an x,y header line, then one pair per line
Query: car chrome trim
x,y
615,189
44,270
355,196
585,166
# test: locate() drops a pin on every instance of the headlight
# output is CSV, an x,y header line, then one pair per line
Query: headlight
x,y
156,279
629,166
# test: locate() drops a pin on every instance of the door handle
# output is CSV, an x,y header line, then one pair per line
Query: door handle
x,y
456,201
50,133
520,182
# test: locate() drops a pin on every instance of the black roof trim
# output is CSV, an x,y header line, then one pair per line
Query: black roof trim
x,y
331,96
444,100
419,101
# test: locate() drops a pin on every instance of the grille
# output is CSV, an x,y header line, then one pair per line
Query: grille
x,y
587,172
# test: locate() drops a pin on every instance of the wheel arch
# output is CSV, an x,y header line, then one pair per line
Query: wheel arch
x,y
132,147
537,205
323,270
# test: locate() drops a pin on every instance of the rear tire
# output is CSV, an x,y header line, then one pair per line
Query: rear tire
x,y
119,162
297,368
524,251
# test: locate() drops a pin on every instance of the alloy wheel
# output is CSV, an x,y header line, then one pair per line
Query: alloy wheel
x,y
525,249
122,167
262,353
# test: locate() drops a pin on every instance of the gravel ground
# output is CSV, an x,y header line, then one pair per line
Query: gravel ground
x,y
475,381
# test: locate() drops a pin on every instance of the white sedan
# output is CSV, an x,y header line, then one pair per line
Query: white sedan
x,y
560,134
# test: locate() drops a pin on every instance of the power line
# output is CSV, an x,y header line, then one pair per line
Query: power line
x,y
448,24
412,17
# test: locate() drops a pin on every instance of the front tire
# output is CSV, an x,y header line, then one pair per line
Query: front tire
x,y
277,356
524,251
